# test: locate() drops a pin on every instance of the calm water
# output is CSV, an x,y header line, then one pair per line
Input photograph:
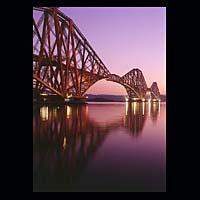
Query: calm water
x,y
100,147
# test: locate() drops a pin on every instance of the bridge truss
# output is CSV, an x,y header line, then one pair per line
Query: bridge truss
x,y
65,64
155,94
136,86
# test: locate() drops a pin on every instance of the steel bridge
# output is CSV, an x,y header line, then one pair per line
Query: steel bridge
x,y
66,66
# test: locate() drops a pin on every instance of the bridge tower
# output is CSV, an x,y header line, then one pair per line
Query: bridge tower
x,y
134,83
154,92
64,63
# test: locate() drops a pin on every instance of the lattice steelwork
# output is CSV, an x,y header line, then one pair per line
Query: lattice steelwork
x,y
133,82
155,94
136,80
64,63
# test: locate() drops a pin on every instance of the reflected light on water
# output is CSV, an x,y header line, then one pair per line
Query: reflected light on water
x,y
86,110
155,106
149,106
69,111
143,105
68,150
44,113
54,112
77,112
126,107
64,142
134,107
154,110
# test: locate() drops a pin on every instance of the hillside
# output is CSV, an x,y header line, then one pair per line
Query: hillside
x,y
112,98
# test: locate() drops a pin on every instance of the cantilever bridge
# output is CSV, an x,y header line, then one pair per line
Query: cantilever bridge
x,y
66,66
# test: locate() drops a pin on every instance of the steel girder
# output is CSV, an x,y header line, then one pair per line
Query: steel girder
x,y
64,63
136,80
155,91
134,83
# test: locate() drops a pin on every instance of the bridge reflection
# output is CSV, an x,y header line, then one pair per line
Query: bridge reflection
x,y
65,138
155,111
135,117
136,114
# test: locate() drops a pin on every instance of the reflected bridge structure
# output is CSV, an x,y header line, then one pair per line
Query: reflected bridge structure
x,y
66,138
65,65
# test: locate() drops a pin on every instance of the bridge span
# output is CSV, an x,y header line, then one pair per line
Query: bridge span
x,y
65,65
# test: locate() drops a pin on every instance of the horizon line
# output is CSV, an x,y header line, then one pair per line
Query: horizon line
x,y
114,94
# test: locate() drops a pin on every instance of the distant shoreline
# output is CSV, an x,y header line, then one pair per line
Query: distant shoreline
x,y
112,98
107,101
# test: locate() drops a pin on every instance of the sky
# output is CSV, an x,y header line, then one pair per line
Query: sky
x,y
125,38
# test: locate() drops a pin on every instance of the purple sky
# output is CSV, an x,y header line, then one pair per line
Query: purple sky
x,y
125,38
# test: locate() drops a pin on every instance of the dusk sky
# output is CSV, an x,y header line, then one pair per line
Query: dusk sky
x,y
125,38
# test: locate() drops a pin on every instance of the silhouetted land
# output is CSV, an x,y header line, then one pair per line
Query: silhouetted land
x,y
101,100
112,98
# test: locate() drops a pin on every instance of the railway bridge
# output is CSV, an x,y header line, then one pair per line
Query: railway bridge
x,y
65,65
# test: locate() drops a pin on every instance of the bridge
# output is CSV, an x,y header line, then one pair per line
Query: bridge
x,y
65,65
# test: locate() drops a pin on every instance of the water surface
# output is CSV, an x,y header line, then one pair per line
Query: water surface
x,y
100,147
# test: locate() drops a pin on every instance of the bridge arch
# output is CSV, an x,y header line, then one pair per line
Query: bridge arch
x,y
106,87
65,64
134,83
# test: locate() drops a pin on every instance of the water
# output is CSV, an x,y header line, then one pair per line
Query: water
x,y
100,147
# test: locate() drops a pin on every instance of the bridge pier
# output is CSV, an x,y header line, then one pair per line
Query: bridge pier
x,y
48,99
56,99
50,74
130,99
